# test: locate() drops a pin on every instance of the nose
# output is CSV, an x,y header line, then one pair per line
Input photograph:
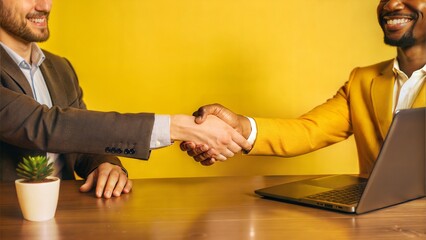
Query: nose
x,y
393,5
43,5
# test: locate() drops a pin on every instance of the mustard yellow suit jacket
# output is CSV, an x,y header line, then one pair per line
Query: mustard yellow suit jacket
x,y
363,107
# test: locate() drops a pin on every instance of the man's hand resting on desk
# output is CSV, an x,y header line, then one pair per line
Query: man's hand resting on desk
x,y
110,180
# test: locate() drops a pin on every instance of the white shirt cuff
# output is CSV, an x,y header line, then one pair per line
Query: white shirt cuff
x,y
160,136
253,134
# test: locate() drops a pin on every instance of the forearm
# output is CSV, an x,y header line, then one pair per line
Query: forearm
x,y
27,124
327,124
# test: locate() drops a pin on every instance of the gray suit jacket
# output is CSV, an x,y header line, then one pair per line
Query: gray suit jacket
x,y
84,138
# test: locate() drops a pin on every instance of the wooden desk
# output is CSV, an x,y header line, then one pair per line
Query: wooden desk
x,y
203,208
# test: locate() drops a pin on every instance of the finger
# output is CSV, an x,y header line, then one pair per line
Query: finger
x,y
118,189
234,147
201,157
206,155
88,184
220,157
187,146
112,181
192,149
226,153
208,162
241,141
128,187
101,182
191,153
198,150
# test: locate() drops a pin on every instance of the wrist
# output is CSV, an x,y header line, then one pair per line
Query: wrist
x,y
245,126
179,126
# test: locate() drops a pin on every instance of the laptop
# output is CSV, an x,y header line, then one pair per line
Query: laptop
x,y
398,175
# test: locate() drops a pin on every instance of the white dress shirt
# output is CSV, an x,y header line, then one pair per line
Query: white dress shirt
x,y
406,88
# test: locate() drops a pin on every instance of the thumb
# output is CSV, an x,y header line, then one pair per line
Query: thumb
x,y
87,186
202,113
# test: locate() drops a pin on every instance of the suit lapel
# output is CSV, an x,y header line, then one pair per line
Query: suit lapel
x,y
51,77
56,89
12,70
382,98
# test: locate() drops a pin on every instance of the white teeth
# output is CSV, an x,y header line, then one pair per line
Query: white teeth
x,y
37,20
397,21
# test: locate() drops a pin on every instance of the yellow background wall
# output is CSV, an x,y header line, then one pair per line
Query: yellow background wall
x,y
265,58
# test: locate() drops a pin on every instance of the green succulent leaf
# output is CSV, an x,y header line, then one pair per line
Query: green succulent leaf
x,y
35,168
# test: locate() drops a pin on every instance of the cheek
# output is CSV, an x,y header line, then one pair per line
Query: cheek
x,y
26,7
379,11
422,8
421,31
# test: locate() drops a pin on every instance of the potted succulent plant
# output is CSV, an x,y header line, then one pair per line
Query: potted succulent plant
x,y
37,192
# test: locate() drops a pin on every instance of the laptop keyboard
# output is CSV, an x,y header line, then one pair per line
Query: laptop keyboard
x,y
348,195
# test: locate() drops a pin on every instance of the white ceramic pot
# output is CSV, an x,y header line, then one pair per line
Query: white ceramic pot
x,y
38,201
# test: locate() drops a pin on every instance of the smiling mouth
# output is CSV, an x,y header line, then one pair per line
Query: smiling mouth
x,y
37,20
395,21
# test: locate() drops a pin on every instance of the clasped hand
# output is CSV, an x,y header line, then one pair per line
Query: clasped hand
x,y
216,139
207,153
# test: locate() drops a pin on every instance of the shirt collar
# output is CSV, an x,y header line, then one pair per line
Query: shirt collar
x,y
400,73
37,56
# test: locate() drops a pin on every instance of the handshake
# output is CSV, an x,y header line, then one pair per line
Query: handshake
x,y
215,134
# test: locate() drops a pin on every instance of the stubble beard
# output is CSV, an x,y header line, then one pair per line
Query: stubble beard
x,y
406,41
19,29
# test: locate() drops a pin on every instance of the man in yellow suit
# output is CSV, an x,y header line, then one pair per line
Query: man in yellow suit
x,y
364,106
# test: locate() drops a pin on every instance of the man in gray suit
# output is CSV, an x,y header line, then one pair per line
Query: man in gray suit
x,y
42,113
